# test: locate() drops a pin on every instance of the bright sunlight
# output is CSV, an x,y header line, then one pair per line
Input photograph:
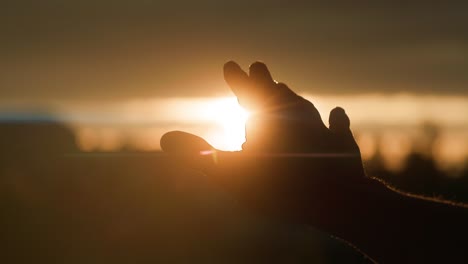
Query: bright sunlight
x,y
227,113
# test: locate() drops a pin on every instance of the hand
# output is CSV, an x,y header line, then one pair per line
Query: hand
x,y
291,164
293,167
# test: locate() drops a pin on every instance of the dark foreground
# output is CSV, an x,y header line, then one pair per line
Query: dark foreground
x,y
62,206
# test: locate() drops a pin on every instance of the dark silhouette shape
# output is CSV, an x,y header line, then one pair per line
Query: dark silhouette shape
x,y
62,205
293,167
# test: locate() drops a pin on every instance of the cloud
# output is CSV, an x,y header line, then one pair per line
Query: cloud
x,y
118,49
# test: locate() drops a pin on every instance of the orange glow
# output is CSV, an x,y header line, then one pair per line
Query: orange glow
x,y
227,113
390,129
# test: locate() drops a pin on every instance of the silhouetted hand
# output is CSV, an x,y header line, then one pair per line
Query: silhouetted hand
x,y
290,161
293,167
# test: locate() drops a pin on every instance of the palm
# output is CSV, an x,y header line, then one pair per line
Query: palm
x,y
288,149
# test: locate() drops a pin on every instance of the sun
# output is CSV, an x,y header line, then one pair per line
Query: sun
x,y
232,118
220,121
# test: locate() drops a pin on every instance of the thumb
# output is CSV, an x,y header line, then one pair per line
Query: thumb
x,y
189,149
178,142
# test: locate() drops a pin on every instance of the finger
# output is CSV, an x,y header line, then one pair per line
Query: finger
x,y
236,78
269,93
260,75
340,126
179,142
339,121
240,83
189,150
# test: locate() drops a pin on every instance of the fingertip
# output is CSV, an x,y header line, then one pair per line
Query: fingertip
x,y
339,120
235,77
231,65
259,72
182,142
258,66
337,111
233,71
167,141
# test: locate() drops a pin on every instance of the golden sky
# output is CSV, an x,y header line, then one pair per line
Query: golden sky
x,y
110,68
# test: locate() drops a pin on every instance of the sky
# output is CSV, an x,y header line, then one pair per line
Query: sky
x,y
122,73
114,50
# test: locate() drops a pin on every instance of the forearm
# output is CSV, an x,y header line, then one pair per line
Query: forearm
x,y
388,226
391,227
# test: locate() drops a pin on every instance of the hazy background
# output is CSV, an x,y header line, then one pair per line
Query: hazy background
x,y
120,73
